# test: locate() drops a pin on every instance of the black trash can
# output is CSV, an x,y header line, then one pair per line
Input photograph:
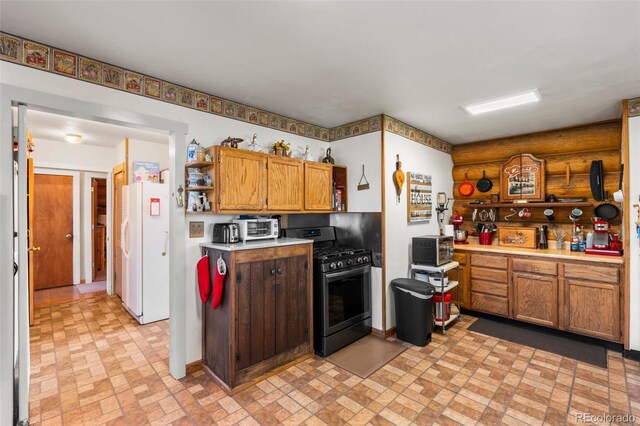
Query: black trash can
x,y
414,310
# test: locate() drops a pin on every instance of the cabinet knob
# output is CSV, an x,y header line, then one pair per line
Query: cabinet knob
x,y
279,271
273,272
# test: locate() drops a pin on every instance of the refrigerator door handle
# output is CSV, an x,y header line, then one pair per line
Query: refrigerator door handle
x,y
124,238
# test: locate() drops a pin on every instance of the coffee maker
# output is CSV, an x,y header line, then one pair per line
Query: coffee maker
x,y
601,234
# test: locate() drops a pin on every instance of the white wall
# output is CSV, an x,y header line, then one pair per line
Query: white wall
x,y
414,158
634,193
206,128
63,155
353,153
140,150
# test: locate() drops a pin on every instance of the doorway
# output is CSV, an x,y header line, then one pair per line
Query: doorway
x,y
14,324
99,231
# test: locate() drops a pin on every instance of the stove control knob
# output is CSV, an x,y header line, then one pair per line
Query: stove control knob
x,y
365,258
359,260
340,264
332,265
349,261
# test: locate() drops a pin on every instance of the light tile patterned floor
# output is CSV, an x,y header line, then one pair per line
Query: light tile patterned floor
x,y
93,364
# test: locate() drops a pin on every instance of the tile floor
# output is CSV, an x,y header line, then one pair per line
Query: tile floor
x,y
93,364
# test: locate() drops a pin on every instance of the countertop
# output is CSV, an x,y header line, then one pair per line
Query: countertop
x,y
257,244
550,252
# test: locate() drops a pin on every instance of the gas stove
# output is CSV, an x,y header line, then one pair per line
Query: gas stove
x,y
338,258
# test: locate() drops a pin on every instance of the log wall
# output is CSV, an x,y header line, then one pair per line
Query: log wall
x,y
575,147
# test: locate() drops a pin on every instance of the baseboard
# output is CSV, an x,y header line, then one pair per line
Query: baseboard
x,y
194,366
390,332
631,354
377,333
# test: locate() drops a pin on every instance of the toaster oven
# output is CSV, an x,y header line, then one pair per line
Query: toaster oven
x,y
257,229
432,250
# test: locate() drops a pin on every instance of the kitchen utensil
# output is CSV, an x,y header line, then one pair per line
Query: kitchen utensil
x,y
607,210
474,215
362,186
484,184
492,215
513,213
398,176
466,188
460,235
549,215
484,215
596,180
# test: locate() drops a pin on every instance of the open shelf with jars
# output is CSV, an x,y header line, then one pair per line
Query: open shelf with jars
x,y
199,184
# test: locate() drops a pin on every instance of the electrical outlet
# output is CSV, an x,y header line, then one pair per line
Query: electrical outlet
x,y
196,229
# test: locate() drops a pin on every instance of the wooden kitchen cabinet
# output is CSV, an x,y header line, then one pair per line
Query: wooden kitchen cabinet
x,y
264,320
593,308
318,182
285,184
535,298
240,180
489,290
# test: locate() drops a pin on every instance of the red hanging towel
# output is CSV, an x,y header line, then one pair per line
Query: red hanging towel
x,y
218,282
204,279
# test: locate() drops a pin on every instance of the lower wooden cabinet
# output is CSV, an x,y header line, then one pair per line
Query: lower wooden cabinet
x,y
264,320
593,308
535,298
575,296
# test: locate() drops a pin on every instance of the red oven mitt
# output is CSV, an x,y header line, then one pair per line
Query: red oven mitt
x,y
218,282
204,279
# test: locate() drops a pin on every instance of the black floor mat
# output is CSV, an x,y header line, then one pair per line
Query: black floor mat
x,y
591,353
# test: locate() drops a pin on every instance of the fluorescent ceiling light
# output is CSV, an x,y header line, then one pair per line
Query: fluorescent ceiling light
x,y
503,102
73,138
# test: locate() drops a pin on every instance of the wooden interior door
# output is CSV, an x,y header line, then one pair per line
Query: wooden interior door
x,y
30,213
119,180
318,179
94,208
53,231
285,184
240,180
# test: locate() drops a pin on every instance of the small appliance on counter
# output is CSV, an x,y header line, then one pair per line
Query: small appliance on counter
x,y
459,234
432,250
602,243
257,229
226,233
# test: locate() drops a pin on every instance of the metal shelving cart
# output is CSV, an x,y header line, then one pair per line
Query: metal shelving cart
x,y
441,271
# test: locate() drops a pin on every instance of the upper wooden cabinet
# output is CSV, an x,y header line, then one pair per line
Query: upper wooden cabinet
x,y
318,186
285,184
240,180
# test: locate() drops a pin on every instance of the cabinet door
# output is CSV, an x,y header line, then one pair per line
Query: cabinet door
x,y
535,298
292,307
593,308
285,184
255,334
241,178
318,186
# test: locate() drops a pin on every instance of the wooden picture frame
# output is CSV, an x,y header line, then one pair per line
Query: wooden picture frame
x,y
522,178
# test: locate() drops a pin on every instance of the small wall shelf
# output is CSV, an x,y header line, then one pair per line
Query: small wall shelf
x,y
199,164
199,188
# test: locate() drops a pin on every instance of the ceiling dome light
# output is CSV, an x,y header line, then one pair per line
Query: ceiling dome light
x,y
73,138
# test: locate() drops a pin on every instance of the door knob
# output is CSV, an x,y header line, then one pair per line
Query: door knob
x,y
32,249
69,236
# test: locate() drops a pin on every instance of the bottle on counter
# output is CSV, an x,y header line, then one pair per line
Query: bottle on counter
x,y
543,243
589,241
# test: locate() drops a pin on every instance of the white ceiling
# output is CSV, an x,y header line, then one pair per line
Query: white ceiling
x,y
334,62
53,127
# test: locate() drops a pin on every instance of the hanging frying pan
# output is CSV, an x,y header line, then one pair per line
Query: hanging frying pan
x,y
484,184
466,188
607,210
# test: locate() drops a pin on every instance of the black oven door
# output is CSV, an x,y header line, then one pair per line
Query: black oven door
x,y
346,298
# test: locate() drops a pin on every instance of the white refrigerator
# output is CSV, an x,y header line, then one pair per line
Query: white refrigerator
x,y
145,251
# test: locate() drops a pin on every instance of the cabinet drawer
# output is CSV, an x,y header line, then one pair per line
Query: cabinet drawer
x,y
487,287
490,304
486,274
590,272
489,261
461,258
538,266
